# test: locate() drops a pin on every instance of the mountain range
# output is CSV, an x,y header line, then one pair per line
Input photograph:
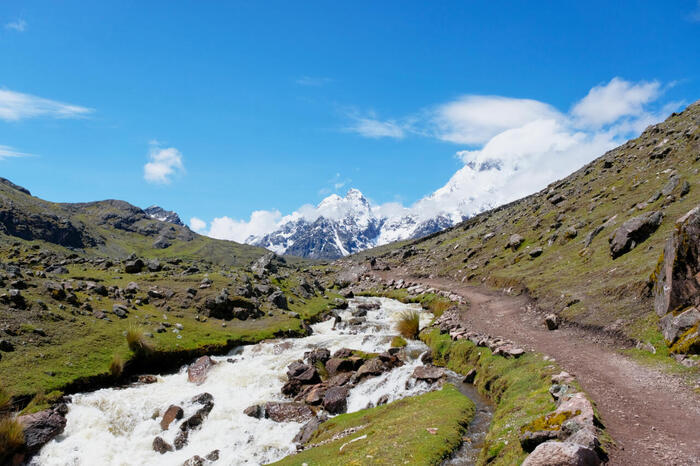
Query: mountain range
x,y
345,225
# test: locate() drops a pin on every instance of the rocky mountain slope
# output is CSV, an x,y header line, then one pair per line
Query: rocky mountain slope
x,y
110,228
587,247
345,226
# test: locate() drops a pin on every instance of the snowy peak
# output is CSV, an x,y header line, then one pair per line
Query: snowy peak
x,y
158,213
340,226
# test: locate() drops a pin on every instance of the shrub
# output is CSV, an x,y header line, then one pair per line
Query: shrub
x,y
116,367
138,342
398,342
408,324
11,437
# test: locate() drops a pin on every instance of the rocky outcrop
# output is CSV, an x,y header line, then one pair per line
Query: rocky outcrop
x,y
227,307
677,285
633,232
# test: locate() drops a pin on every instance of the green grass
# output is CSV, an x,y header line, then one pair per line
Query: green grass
x,y
398,342
396,433
519,389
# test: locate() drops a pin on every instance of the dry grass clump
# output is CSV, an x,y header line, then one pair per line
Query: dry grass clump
x,y
11,437
116,367
138,342
437,307
409,324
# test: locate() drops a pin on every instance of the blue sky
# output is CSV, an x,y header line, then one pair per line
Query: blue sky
x,y
243,106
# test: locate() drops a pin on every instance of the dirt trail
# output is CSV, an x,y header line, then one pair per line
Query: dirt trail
x,y
653,417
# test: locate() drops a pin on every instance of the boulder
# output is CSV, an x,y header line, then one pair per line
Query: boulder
x,y
120,310
553,453
335,365
633,232
172,413
196,460
552,321
673,326
6,346
161,446
279,300
470,376
515,241
536,252
55,290
429,373
531,440
317,355
133,266
335,400
255,411
268,263
41,427
198,370
308,429
371,368
288,412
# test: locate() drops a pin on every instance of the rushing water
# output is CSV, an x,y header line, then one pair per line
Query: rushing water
x,y
117,426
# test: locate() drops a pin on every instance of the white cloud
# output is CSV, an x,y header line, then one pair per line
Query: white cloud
x,y
19,25
197,224
10,152
16,106
606,104
474,119
163,165
514,147
313,81
371,127
260,223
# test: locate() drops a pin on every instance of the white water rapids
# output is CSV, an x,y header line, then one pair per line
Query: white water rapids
x,y
117,426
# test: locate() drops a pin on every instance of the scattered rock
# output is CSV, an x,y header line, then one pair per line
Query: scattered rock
x,y
633,232
172,413
429,373
161,446
515,241
552,321
335,400
287,412
198,370
553,453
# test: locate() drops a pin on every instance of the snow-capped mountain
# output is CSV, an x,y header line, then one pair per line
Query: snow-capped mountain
x,y
339,226
163,215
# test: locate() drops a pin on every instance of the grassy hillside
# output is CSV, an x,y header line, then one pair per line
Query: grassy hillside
x,y
571,221
76,278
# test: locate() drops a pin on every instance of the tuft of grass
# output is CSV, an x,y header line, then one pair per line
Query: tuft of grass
x,y
116,367
398,342
11,437
138,342
321,369
409,324
438,307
